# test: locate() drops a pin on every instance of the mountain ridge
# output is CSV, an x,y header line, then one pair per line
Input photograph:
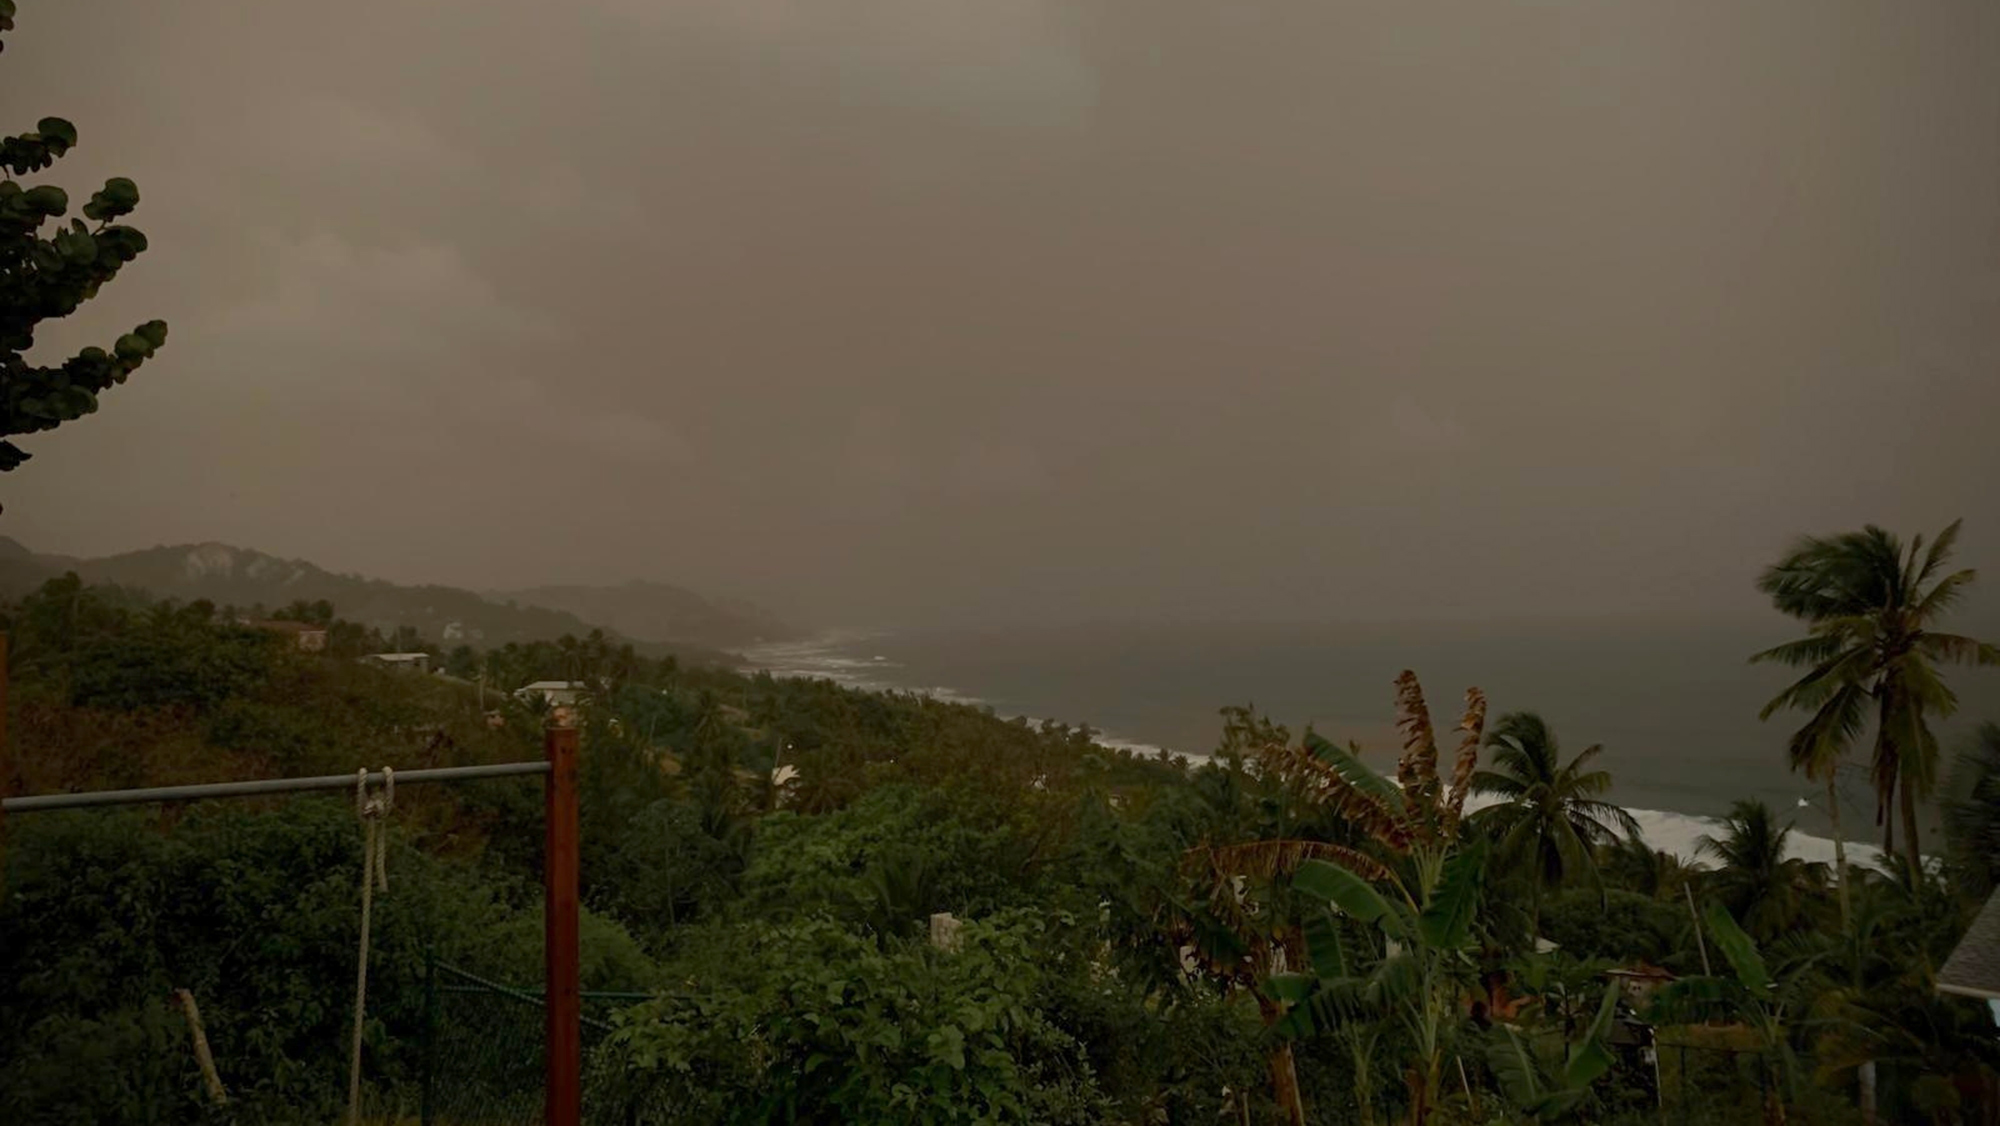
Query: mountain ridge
x,y
652,609
445,615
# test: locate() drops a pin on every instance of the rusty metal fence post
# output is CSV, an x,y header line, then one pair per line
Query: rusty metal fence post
x,y
563,967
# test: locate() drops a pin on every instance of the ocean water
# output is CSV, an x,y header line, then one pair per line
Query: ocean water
x,y
1674,707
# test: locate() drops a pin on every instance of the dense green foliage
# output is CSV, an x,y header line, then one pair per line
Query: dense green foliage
x,y
820,1018
1972,811
1288,931
42,278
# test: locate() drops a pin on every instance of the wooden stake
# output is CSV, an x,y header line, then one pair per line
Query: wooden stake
x,y
1706,969
201,1053
564,1001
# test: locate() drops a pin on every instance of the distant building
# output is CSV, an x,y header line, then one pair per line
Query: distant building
x,y
1638,982
306,637
554,693
1973,970
416,662
561,697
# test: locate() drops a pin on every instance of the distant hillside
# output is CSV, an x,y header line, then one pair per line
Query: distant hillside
x,y
22,570
241,577
657,610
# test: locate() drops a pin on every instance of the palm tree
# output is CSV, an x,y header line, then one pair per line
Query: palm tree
x,y
1753,878
1636,865
1870,606
1972,812
1553,819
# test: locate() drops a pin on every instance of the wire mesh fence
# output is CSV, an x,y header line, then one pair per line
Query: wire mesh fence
x,y
483,1057
1723,1076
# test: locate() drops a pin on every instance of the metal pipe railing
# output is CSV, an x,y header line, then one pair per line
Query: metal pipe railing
x,y
88,798
535,997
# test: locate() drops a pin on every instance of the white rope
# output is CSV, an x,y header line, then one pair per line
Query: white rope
x,y
371,809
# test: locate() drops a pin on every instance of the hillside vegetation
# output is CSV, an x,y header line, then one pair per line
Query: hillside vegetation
x,y
658,611
1289,931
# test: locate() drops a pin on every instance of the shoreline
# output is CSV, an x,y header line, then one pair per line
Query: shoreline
x,y
830,657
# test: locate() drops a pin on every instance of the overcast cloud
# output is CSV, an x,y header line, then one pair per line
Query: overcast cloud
x,y
951,310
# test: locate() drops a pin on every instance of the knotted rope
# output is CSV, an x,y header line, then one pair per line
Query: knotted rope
x,y
371,808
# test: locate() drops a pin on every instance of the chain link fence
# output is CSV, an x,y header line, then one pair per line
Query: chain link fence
x,y
1720,1076
483,1057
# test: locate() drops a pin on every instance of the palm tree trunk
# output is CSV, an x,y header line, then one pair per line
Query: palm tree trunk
x,y
1535,894
1910,834
1535,916
1884,767
1839,846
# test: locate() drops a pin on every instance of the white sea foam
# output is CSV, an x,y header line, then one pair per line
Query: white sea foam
x,y
1676,833
825,658
1680,833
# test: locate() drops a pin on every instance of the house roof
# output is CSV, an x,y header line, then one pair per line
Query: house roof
x,y
1642,971
554,686
398,656
1973,970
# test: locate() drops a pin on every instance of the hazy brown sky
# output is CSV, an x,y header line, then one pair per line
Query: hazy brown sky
x,y
959,309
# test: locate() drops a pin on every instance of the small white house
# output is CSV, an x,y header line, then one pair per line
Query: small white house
x,y
415,662
554,693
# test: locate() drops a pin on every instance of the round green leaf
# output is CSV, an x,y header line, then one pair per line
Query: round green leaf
x,y
57,131
118,197
48,199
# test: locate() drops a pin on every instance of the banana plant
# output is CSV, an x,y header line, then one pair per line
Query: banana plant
x,y
1400,833
1417,892
1336,998
1424,921
1544,1095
